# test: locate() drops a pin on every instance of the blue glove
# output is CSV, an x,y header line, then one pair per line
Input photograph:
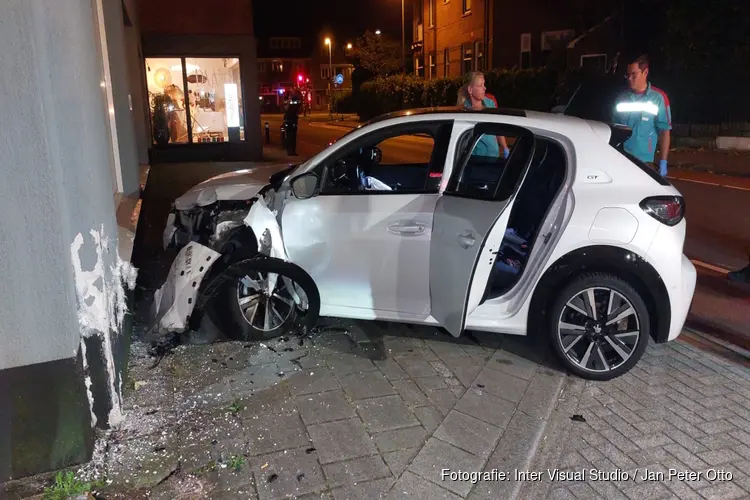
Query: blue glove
x,y
506,153
663,168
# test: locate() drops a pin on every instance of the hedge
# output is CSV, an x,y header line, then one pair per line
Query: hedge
x,y
532,89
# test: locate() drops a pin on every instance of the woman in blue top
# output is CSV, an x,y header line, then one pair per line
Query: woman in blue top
x,y
472,95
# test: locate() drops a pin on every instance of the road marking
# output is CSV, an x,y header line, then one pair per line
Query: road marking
x,y
708,183
705,265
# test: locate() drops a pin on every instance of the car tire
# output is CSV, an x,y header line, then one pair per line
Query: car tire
x,y
613,349
237,321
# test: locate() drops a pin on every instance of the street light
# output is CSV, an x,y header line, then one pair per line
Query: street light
x,y
349,46
330,74
377,32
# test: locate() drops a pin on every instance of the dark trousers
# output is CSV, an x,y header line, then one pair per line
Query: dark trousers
x,y
291,138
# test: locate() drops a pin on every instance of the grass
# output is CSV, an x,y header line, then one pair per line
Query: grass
x,y
236,462
236,406
66,485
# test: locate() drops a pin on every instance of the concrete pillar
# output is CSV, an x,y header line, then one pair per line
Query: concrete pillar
x,y
60,273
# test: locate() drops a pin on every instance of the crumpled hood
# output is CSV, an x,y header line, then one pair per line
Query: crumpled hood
x,y
237,185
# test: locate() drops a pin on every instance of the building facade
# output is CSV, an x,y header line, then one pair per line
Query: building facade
x,y
79,133
201,79
284,63
454,37
330,65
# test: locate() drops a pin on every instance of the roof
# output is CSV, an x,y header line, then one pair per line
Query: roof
x,y
552,121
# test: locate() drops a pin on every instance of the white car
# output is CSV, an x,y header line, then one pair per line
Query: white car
x,y
416,218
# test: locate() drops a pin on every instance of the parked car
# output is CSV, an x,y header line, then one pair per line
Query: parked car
x,y
401,220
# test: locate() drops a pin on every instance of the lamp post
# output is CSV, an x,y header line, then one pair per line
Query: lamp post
x,y
330,76
403,37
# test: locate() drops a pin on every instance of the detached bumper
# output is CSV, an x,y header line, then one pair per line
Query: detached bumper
x,y
175,300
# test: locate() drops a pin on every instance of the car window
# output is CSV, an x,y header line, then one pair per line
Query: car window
x,y
400,159
485,170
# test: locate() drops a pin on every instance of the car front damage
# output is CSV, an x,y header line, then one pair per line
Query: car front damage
x,y
224,221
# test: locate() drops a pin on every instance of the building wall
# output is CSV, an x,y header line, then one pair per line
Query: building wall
x,y
228,17
58,238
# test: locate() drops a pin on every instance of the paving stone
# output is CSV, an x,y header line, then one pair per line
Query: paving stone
x,y
386,413
486,407
429,416
468,433
312,381
355,471
416,366
428,384
399,460
443,399
370,490
441,369
542,393
561,494
646,491
723,491
437,455
390,369
410,392
512,364
463,368
341,440
501,384
272,433
718,457
409,437
366,385
345,364
582,491
296,473
412,486
457,391
652,441
324,407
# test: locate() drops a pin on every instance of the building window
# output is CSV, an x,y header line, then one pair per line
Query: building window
x,y
431,13
525,59
447,62
479,56
419,66
432,71
468,58
419,12
555,41
261,66
595,63
277,66
467,6
325,73
208,110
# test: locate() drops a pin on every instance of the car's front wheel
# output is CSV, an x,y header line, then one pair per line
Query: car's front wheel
x,y
247,308
599,326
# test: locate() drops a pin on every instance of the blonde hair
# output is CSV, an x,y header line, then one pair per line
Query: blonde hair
x,y
463,92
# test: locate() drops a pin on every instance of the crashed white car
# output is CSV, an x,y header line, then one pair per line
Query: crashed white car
x,y
416,218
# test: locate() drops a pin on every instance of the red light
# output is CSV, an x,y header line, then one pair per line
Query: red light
x,y
299,78
309,97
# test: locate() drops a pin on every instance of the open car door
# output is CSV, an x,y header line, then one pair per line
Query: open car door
x,y
475,205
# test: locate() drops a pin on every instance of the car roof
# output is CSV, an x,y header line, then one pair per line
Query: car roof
x,y
554,120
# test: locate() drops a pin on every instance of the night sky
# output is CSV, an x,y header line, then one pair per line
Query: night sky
x,y
343,19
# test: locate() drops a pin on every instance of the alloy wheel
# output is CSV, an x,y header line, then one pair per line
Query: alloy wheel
x,y
266,311
598,329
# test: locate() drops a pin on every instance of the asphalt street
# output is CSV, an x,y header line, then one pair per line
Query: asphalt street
x,y
718,234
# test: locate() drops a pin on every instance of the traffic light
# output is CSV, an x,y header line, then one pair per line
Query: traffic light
x,y
300,77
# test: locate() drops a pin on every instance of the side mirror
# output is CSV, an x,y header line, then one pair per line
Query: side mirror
x,y
305,186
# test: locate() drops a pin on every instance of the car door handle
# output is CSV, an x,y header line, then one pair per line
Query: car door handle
x,y
409,229
466,239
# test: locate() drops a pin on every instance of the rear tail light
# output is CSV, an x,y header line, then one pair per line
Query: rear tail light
x,y
669,210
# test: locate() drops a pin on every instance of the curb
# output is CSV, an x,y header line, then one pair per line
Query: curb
x,y
731,350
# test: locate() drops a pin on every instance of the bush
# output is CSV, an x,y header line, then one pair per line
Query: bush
x,y
343,102
525,89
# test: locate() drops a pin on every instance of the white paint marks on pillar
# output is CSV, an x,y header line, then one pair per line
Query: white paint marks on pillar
x,y
102,306
87,381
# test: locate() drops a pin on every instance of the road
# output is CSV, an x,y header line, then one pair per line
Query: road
x,y
718,235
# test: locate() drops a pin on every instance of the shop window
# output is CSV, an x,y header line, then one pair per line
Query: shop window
x,y
166,100
211,108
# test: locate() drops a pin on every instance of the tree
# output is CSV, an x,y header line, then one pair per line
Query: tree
x,y
378,53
